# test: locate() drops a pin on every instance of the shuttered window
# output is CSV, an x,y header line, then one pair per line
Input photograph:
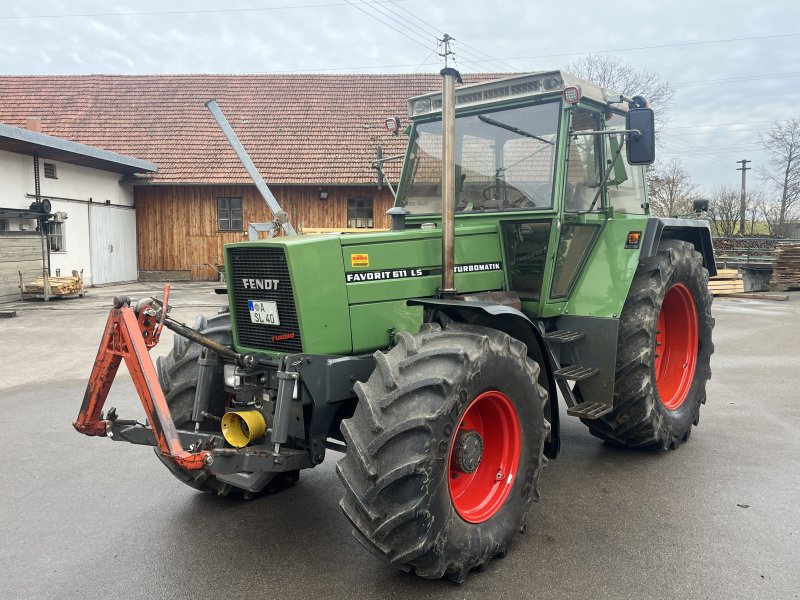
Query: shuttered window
x,y
229,214
50,170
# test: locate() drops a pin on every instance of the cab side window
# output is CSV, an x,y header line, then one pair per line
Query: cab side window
x,y
626,191
582,191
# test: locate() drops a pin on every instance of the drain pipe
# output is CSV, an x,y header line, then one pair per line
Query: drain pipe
x,y
449,78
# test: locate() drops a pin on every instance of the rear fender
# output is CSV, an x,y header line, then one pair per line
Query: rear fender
x,y
695,231
516,324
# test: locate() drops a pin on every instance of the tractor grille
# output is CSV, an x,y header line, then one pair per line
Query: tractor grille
x,y
264,263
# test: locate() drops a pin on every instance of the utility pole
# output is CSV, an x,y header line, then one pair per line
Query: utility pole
x,y
743,204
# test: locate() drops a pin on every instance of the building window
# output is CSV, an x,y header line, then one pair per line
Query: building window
x,y
229,214
359,212
50,170
56,237
3,224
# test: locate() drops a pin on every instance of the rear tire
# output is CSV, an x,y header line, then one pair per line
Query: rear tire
x,y
658,391
407,500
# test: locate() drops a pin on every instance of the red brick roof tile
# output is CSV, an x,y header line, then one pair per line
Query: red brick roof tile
x,y
298,129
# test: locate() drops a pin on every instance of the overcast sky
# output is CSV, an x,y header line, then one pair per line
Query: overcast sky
x,y
712,125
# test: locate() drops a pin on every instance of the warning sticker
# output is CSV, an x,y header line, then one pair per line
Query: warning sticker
x,y
359,260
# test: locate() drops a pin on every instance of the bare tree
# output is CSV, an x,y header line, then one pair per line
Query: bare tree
x,y
770,210
613,73
782,145
723,210
671,190
754,213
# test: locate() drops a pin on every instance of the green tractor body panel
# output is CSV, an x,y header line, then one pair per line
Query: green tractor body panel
x,y
602,286
318,296
380,275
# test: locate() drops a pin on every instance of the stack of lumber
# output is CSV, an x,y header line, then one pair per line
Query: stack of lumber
x,y
59,286
726,282
786,268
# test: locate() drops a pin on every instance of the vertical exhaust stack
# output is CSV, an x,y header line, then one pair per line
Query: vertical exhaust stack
x,y
449,78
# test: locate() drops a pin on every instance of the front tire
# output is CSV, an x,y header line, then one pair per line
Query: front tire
x,y
444,450
178,373
663,352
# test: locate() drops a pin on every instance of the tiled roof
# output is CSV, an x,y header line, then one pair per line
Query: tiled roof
x,y
298,129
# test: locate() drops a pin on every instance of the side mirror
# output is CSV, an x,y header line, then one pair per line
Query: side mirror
x,y
641,146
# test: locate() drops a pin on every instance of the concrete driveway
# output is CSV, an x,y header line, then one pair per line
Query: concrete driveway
x,y
88,518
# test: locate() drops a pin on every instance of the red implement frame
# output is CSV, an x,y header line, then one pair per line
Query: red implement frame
x,y
131,338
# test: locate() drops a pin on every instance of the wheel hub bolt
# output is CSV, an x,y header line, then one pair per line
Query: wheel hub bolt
x,y
500,474
467,451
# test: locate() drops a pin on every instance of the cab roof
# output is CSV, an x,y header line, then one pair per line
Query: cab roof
x,y
516,87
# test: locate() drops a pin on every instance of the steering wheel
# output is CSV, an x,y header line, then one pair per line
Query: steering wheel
x,y
518,199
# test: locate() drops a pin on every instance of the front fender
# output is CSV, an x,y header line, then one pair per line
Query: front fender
x,y
516,324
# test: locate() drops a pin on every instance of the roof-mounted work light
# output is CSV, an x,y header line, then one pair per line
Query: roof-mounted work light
x,y
393,125
572,94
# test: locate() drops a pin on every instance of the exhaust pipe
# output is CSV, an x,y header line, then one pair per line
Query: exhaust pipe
x,y
241,427
449,78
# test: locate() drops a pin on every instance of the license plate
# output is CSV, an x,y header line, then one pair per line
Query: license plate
x,y
263,312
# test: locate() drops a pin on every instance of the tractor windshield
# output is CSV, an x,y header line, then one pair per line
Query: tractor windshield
x,y
504,161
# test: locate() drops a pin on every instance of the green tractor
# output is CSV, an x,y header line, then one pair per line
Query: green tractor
x,y
522,262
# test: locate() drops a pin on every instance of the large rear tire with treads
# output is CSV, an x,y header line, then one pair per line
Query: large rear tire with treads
x,y
663,352
444,450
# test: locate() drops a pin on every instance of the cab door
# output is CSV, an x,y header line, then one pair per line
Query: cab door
x,y
583,211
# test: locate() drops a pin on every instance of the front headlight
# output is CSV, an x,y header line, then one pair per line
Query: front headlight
x,y
232,380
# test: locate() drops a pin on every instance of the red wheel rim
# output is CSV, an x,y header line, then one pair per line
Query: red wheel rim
x,y
479,495
676,346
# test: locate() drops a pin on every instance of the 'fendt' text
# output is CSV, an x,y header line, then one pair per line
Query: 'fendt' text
x,y
260,284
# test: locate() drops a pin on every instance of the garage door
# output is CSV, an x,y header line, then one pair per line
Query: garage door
x,y
112,239
19,251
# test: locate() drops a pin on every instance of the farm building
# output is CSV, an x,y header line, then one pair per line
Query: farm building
x,y
87,223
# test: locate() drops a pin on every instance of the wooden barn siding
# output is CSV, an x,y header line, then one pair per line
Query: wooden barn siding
x,y
177,225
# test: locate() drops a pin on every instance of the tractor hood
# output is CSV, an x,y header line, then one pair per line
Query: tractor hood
x,y
347,294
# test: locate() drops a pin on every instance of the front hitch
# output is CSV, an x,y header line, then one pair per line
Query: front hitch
x,y
129,335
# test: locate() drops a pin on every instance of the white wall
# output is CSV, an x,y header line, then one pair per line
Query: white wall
x,y
15,172
83,183
70,193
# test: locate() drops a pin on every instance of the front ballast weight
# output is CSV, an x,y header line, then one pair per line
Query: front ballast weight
x,y
130,333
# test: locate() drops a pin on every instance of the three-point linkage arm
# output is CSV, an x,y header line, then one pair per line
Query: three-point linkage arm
x,y
130,336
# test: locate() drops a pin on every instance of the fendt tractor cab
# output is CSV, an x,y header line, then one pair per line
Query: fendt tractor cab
x,y
522,262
